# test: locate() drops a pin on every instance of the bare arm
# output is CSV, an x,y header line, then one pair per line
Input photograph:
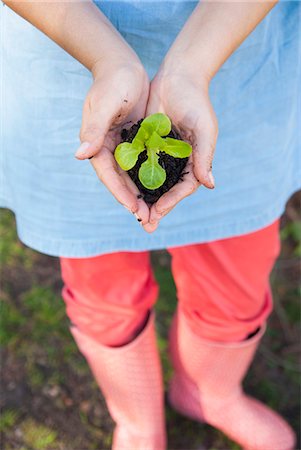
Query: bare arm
x,y
214,30
119,93
180,89
78,27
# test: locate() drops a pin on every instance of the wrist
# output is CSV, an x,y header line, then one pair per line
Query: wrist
x,y
123,59
212,33
179,65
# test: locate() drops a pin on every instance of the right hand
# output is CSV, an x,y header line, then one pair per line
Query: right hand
x,y
117,97
183,95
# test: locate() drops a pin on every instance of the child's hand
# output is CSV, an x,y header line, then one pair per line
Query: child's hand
x,y
118,96
183,96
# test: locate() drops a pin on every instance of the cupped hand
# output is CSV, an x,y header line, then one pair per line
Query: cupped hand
x,y
183,96
117,97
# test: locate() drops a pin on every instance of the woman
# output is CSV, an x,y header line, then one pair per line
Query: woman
x,y
228,59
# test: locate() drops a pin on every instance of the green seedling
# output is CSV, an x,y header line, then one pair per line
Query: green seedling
x,y
150,137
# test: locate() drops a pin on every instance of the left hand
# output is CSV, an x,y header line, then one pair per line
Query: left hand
x,y
117,96
183,95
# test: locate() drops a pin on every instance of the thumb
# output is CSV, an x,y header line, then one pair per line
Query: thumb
x,y
92,140
95,126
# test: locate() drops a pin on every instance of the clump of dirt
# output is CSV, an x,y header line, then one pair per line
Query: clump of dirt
x,y
174,167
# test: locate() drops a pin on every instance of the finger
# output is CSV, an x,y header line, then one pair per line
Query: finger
x,y
169,200
116,182
150,227
107,172
142,213
205,137
177,193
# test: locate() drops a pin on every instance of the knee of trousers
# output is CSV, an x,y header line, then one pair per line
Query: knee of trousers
x,y
223,286
108,297
220,324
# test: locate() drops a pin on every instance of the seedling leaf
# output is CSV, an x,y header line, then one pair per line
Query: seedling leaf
x,y
127,154
155,143
176,148
140,138
151,174
157,122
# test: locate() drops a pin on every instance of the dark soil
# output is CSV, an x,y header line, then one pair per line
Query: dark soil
x,y
174,167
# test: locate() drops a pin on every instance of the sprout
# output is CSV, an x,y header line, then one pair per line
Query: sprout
x,y
150,137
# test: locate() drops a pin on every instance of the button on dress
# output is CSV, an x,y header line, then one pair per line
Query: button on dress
x,y
62,208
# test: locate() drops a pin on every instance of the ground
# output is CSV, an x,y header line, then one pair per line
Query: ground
x,y
49,399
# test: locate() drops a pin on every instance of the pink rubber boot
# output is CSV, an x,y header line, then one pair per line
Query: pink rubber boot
x,y
131,380
206,386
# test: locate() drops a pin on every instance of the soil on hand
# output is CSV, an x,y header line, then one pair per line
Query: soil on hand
x,y
174,167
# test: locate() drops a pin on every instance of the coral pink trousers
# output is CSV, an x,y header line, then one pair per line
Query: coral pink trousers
x,y
222,288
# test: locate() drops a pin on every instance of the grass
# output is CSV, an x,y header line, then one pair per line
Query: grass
x,y
50,400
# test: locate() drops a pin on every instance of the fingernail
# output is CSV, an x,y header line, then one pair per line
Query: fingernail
x,y
82,150
137,217
211,179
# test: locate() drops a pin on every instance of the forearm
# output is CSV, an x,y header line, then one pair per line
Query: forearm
x,y
78,27
213,32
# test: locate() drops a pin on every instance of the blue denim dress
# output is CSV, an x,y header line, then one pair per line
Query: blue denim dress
x,y
61,207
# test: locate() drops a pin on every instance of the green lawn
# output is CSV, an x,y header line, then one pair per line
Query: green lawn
x,y
49,399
